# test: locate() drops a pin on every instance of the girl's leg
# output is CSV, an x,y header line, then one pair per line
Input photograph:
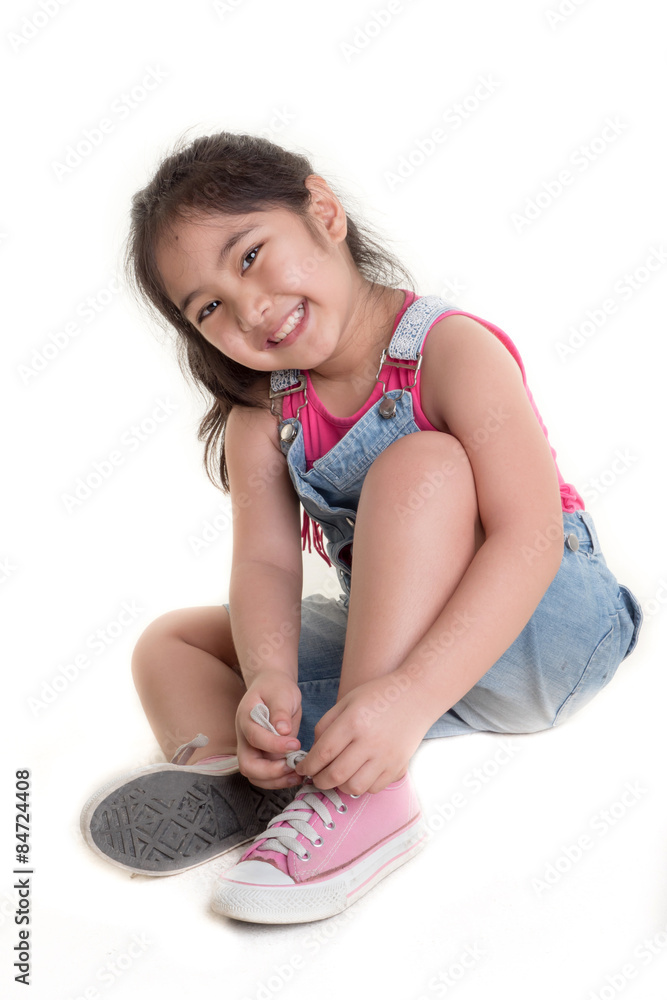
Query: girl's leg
x,y
185,672
416,532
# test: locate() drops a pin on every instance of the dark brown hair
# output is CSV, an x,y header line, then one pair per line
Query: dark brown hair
x,y
235,174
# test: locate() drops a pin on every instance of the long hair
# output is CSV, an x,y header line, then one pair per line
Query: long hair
x,y
234,174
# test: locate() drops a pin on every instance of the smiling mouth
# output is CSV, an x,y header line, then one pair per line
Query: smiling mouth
x,y
291,324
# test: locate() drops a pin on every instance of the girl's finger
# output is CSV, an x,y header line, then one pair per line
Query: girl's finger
x,y
338,769
328,718
260,738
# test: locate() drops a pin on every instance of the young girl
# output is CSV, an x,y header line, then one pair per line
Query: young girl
x,y
474,592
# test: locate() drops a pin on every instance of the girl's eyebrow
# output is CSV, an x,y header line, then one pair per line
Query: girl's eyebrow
x,y
225,251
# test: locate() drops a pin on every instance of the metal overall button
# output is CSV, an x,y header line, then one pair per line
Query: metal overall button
x,y
572,542
387,407
288,432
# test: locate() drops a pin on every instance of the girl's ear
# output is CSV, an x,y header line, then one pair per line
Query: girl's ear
x,y
326,209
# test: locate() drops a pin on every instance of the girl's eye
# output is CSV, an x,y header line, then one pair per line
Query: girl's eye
x,y
208,309
254,250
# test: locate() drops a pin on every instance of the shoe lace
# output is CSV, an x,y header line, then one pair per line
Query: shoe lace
x,y
185,752
298,812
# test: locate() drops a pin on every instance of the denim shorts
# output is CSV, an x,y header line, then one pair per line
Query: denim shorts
x,y
585,625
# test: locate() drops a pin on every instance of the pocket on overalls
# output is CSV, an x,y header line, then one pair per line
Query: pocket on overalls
x,y
623,601
597,673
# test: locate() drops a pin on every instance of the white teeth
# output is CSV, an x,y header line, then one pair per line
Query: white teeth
x,y
290,323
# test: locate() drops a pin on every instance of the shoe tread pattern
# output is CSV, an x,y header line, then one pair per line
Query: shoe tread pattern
x,y
171,820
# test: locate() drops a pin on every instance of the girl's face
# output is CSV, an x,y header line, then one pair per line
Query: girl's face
x,y
259,287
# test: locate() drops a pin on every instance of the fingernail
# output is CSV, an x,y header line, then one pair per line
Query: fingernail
x,y
292,744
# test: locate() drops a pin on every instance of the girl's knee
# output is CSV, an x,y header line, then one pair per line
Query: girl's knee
x,y
432,458
152,640
170,627
206,629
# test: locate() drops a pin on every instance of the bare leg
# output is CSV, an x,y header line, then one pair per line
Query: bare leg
x,y
416,533
183,669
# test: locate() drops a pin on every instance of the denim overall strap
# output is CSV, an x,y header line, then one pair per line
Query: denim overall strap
x,y
416,322
329,492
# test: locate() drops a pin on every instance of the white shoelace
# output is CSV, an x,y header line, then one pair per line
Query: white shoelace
x,y
297,813
185,752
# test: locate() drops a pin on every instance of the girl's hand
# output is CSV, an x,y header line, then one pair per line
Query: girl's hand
x,y
365,741
261,754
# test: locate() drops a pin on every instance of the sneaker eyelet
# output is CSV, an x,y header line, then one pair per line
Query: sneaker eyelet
x,y
305,857
318,842
355,796
330,826
341,808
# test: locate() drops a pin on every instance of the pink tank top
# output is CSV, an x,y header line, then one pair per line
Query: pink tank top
x,y
322,430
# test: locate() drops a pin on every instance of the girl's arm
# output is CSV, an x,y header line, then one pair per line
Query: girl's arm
x,y
472,376
265,590
519,503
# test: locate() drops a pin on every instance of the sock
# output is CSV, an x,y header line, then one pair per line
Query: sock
x,y
208,760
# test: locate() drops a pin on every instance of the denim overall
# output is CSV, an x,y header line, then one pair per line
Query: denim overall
x,y
584,626
330,491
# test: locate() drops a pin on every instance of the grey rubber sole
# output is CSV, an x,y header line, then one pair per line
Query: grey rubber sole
x,y
166,821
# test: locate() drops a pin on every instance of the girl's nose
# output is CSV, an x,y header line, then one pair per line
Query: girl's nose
x,y
252,309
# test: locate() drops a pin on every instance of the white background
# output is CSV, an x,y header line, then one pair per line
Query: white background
x,y
325,79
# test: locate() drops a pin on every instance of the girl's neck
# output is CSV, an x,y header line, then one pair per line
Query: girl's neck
x,y
371,329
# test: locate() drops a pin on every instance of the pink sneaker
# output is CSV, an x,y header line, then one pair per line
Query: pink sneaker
x,y
321,854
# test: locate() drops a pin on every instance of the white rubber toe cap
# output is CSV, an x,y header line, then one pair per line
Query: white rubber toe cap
x,y
255,872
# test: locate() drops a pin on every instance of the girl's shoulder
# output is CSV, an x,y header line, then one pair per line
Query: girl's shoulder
x,y
247,422
463,351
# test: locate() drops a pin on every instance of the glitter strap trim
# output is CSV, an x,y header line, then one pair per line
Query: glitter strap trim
x,y
283,380
417,320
